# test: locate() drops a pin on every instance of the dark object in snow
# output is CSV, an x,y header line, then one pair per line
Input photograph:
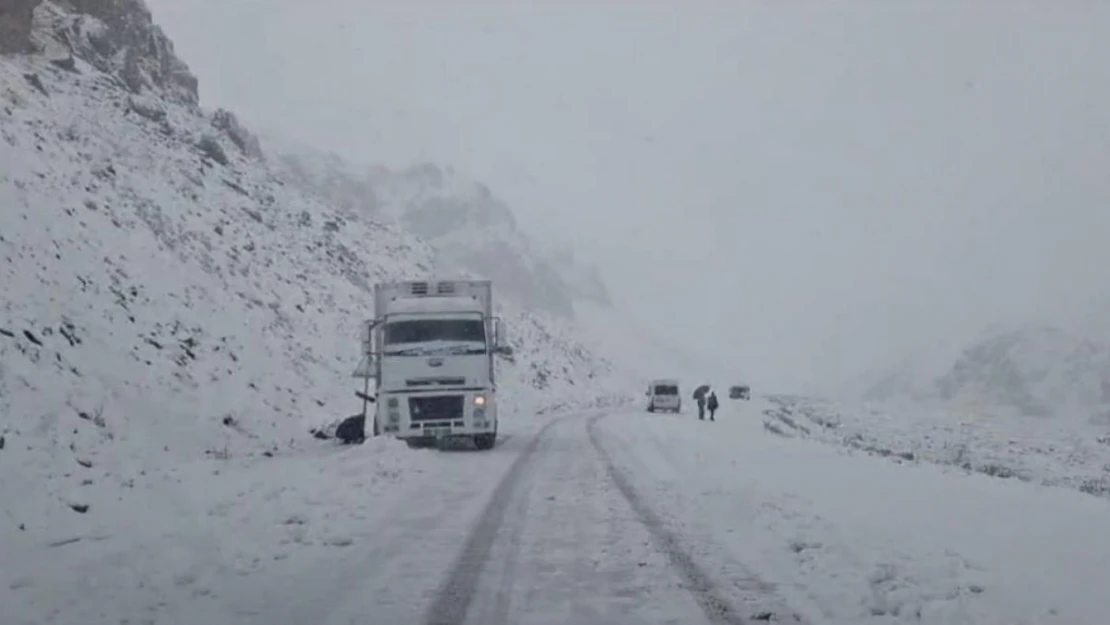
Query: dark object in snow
x,y
1,442
79,507
352,430
320,434
36,82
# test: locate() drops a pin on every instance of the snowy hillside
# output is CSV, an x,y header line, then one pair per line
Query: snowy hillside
x,y
1030,370
463,220
167,295
976,439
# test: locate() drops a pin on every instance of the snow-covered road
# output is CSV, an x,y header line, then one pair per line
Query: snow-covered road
x,y
597,518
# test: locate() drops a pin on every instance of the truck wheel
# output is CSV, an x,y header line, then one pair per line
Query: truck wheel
x,y
485,441
651,408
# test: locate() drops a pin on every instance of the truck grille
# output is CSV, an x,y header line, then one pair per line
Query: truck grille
x,y
435,381
443,407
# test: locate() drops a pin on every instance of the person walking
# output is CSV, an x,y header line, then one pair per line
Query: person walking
x,y
712,404
701,407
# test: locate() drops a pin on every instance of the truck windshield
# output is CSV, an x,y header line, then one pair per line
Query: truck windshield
x,y
429,330
666,389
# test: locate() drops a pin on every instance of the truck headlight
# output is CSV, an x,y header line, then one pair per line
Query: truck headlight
x,y
480,400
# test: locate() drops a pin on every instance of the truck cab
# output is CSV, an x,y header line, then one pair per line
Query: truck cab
x,y
663,395
430,350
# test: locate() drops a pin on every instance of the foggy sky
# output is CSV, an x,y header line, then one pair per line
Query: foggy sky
x,y
807,191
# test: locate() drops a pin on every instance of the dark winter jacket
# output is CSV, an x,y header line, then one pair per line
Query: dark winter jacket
x,y
712,401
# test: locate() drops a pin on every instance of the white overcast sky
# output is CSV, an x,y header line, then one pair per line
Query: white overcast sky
x,y
805,189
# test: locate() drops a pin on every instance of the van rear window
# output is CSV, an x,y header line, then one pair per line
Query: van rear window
x,y
666,389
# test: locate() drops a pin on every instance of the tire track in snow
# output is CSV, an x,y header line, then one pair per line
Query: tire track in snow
x,y
718,610
452,601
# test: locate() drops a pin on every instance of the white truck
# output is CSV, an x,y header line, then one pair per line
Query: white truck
x,y
430,351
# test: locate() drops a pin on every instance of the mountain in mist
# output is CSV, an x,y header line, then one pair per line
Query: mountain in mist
x,y
169,297
463,220
1034,370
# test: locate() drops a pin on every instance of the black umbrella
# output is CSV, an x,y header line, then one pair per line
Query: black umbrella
x,y
700,391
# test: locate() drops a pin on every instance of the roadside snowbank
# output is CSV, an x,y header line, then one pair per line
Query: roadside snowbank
x,y
1066,453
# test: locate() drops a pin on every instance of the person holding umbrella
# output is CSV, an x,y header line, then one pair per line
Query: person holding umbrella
x,y
699,396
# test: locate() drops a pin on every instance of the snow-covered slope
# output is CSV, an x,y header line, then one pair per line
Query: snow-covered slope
x,y
980,439
463,220
167,295
1030,370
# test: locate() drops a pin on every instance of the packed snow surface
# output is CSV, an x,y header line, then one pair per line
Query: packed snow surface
x,y
609,517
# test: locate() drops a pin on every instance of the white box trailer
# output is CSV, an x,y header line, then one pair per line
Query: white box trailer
x,y
430,352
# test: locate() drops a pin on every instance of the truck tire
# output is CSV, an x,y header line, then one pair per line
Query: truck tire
x,y
485,441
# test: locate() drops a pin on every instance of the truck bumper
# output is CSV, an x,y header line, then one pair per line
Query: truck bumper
x,y
404,417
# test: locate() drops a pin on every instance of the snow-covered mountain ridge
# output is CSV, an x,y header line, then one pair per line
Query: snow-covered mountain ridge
x,y
1033,370
168,296
463,220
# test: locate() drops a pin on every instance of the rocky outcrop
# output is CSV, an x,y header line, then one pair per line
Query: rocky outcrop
x,y
247,143
16,17
119,37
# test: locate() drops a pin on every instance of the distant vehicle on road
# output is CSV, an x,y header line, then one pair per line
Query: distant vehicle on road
x,y
663,395
740,391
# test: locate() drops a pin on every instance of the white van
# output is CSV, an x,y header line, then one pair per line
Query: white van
x,y
663,395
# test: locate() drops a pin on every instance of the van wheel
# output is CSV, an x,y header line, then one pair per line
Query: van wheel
x,y
485,441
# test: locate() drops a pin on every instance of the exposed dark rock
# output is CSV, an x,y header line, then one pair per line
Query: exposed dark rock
x,y
119,37
247,143
211,148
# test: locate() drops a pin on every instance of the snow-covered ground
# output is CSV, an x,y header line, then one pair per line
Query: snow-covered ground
x,y
1071,453
852,538
599,517
281,540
